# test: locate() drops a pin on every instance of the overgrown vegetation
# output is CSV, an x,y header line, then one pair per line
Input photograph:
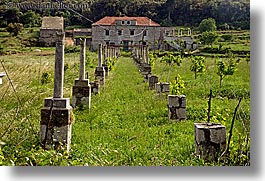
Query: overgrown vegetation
x,y
228,14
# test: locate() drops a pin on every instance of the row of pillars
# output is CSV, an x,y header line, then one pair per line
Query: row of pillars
x,y
57,114
105,53
180,33
210,138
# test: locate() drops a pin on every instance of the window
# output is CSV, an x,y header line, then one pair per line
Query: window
x,y
131,32
119,32
128,22
107,32
122,22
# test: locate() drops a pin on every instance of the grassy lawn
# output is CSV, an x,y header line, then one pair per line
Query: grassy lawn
x,y
127,123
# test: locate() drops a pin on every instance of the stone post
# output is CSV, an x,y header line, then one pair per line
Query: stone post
x,y
81,94
153,79
100,55
210,140
105,56
56,116
177,107
147,54
100,71
59,66
82,70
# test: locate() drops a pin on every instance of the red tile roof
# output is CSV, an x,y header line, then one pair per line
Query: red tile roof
x,y
140,21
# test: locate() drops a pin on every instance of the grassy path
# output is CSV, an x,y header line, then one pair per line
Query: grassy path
x,y
128,125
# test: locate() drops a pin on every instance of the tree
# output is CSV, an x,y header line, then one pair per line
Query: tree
x,y
14,28
207,25
30,19
226,68
197,65
177,86
208,37
172,59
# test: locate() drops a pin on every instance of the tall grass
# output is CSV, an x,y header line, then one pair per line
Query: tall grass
x,y
127,123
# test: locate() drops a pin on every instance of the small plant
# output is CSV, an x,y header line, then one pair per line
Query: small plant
x,y
226,68
177,86
170,59
152,58
45,78
197,65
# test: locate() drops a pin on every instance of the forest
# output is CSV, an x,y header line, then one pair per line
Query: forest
x,y
234,15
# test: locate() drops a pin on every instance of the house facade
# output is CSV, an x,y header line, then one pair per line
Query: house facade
x,y
49,27
127,32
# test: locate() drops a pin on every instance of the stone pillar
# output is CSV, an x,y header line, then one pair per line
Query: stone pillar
x,y
177,107
162,87
100,55
153,79
56,116
105,66
146,54
104,54
82,70
210,140
100,71
81,95
59,66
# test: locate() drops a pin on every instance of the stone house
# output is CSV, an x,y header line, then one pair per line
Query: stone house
x,y
128,31
132,31
49,27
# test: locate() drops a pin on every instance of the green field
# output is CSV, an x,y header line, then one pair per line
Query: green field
x,y
128,123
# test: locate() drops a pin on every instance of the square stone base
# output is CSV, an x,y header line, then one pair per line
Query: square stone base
x,y
56,124
210,140
162,87
153,79
81,95
177,107
95,87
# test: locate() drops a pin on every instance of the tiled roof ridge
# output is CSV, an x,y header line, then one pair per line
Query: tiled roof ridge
x,y
141,20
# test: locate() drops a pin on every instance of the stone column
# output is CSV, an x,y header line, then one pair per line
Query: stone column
x,y
105,56
100,55
153,79
56,116
59,66
100,71
82,70
147,54
81,95
210,140
177,107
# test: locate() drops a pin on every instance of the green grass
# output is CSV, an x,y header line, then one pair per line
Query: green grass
x,y
127,123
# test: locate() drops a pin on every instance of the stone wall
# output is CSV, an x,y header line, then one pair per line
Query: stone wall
x,y
153,33
48,37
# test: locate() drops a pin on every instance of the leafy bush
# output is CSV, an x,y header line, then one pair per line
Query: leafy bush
x,y
227,37
177,86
